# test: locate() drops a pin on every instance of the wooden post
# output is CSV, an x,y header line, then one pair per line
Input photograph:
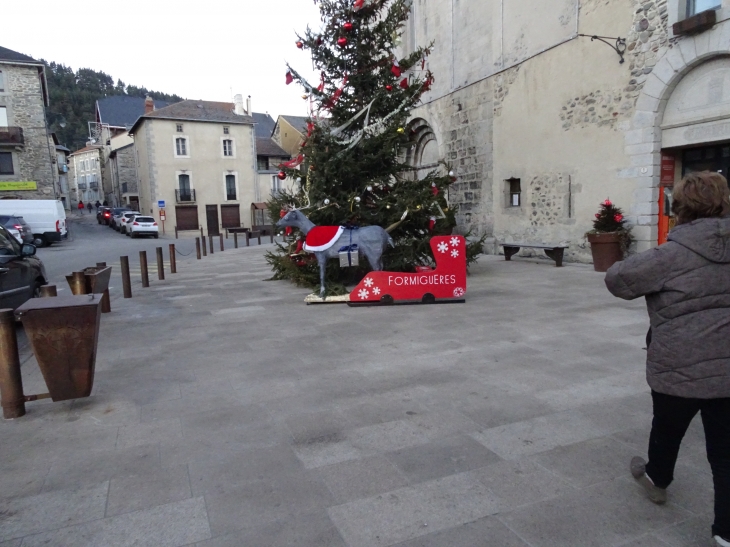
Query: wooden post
x,y
48,290
106,303
126,279
173,259
143,268
160,264
221,238
210,239
235,240
205,252
11,382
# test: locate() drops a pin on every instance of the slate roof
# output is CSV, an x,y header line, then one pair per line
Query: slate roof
x,y
122,111
267,147
85,149
264,125
297,122
198,111
13,56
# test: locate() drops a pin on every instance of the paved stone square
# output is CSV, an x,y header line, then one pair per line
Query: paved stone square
x,y
226,413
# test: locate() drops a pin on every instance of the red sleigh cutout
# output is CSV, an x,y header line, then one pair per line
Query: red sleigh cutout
x,y
446,283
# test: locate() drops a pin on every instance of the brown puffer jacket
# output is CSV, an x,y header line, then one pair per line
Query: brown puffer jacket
x,y
686,282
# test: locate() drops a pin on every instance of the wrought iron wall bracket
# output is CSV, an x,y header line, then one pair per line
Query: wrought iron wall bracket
x,y
619,46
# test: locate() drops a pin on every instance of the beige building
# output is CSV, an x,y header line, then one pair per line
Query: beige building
x,y
84,175
541,122
289,133
198,157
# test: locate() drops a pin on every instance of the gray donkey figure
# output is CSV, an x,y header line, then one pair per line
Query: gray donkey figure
x,y
370,240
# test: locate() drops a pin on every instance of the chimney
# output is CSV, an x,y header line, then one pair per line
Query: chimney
x,y
149,104
248,105
238,104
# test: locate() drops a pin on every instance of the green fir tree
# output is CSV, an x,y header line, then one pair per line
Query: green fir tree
x,y
353,169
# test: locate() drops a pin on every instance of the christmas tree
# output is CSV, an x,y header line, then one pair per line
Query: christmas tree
x,y
351,169
609,219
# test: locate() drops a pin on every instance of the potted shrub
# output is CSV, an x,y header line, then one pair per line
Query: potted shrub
x,y
610,237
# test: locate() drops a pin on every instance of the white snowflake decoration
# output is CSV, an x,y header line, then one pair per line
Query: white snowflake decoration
x,y
376,291
458,291
454,241
363,294
454,253
442,247
368,282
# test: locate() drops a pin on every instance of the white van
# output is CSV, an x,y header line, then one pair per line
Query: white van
x,y
46,218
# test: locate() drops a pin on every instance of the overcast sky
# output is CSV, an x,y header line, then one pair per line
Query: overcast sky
x,y
199,49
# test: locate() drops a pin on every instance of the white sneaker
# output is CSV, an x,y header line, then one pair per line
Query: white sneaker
x,y
722,542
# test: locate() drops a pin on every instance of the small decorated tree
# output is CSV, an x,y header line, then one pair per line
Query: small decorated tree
x,y
610,238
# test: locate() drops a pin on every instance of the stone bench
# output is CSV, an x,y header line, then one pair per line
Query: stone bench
x,y
554,252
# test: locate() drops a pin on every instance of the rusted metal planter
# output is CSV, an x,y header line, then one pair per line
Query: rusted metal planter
x,y
63,333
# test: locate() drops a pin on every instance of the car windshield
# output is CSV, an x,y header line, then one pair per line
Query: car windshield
x,y
144,219
118,210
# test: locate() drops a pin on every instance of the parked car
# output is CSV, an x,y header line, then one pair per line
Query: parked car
x,y
46,218
143,226
117,218
115,212
21,273
104,215
18,227
125,219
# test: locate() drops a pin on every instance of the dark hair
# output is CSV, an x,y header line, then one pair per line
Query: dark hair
x,y
700,195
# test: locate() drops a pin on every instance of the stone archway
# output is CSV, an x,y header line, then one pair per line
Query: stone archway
x,y
643,139
424,154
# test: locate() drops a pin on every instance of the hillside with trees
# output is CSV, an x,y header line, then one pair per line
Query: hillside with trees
x,y
73,96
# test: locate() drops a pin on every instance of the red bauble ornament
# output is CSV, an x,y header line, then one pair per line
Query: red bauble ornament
x,y
300,45
598,215
348,26
618,218
607,203
281,175
358,4
342,41
389,87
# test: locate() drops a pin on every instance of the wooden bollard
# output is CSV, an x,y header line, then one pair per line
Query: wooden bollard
x,y
126,279
197,247
235,240
221,241
48,291
160,264
248,239
12,398
205,252
143,268
202,236
210,240
106,303
173,259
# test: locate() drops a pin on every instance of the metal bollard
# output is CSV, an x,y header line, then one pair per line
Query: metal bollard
x,y
173,263
143,268
210,239
197,247
106,303
160,264
77,282
205,252
272,237
126,279
235,240
48,291
221,238
11,382
248,239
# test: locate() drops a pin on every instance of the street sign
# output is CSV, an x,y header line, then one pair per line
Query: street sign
x,y
162,214
161,203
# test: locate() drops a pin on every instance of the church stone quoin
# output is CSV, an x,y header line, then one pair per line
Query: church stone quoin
x,y
523,103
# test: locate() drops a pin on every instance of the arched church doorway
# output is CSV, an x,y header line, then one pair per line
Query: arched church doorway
x,y
695,131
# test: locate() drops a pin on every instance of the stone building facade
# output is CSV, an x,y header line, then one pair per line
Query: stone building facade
x,y
26,147
526,103
85,174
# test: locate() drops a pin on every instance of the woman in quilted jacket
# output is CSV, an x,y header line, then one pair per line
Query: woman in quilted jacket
x,y
686,283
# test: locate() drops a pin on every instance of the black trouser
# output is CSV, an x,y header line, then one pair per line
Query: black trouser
x,y
672,416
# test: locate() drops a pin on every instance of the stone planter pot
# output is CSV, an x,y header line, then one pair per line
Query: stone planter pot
x,y
606,249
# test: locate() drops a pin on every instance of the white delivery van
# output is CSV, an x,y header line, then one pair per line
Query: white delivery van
x,y
46,218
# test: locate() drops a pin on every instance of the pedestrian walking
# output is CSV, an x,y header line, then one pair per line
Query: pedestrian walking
x,y
97,205
81,207
105,204
686,283
88,206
